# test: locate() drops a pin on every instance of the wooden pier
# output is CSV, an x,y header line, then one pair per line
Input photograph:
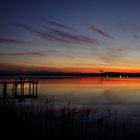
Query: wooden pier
x,y
18,88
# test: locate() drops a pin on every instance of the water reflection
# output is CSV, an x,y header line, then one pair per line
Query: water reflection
x,y
92,91
122,95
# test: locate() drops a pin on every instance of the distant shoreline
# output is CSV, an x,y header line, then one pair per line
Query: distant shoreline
x,y
61,74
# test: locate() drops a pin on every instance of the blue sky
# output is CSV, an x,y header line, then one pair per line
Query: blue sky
x,y
70,35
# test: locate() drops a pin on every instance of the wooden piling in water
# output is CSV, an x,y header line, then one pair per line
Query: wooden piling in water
x,y
29,87
36,87
33,87
4,90
32,91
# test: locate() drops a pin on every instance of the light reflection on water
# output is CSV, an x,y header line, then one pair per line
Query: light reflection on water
x,y
122,95
92,91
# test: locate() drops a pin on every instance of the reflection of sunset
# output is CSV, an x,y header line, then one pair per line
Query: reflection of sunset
x,y
113,91
94,81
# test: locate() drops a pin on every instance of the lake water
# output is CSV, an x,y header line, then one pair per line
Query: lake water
x,y
122,95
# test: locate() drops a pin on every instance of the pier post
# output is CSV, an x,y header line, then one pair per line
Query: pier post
x,y
4,90
15,92
29,87
23,88
33,88
36,87
20,88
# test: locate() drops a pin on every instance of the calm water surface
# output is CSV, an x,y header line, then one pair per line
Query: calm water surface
x,y
121,94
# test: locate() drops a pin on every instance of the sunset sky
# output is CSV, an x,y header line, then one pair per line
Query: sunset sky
x,y
70,35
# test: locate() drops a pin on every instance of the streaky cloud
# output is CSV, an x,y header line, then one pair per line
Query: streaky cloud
x,y
25,27
8,40
59,35
56,24
38,53
50,37
69,37
26,53
22,26
101,32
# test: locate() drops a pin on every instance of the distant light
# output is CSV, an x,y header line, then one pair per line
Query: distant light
x,y
107,76
120,76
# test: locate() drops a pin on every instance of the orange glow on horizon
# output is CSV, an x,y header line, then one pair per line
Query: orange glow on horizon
x,y
23,68
98,70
